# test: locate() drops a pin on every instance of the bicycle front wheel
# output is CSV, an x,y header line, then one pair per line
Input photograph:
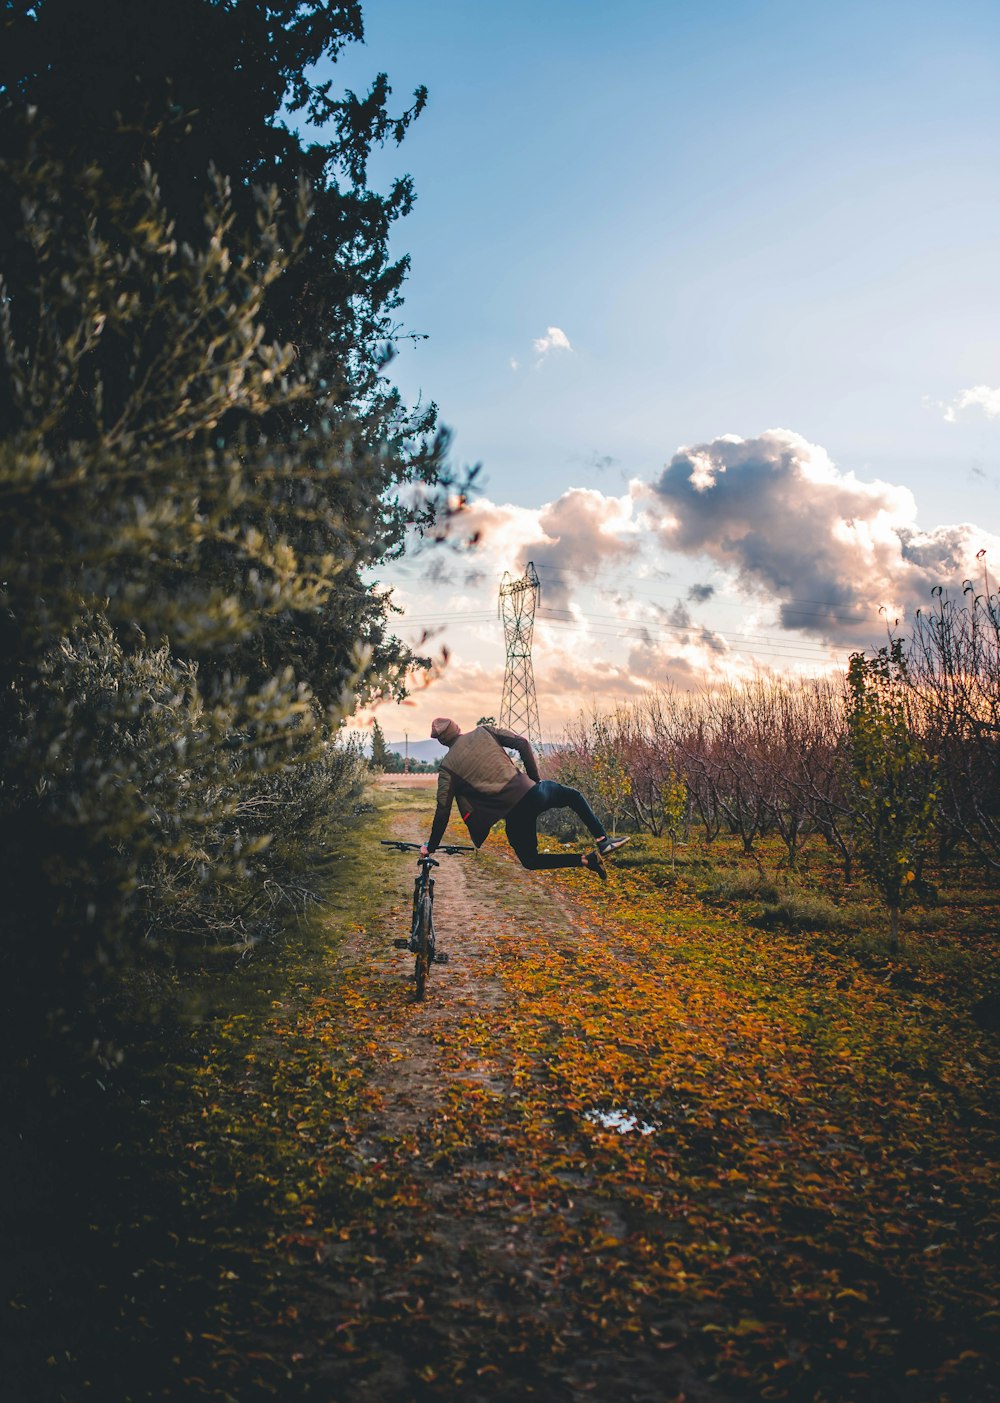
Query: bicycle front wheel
x,y
424,933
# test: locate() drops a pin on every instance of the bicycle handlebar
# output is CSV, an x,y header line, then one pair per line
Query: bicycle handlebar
x,y
448,848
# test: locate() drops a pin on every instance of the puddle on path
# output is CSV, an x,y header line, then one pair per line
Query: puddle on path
x,y
622,1122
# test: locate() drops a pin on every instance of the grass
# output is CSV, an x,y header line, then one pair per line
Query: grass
x,y
120,1254
757,1013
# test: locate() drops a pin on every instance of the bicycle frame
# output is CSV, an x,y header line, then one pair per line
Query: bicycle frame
x,y
422,927
421,942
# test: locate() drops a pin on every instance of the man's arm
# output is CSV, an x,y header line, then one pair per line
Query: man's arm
x,y
445,794
511,741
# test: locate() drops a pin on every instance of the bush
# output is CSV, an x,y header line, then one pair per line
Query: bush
x,y
801,911
140,824
152,796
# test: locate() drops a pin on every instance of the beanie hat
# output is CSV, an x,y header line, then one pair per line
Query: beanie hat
x,y
445,730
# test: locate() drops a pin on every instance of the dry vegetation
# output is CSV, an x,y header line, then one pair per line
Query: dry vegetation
x,y
701,1134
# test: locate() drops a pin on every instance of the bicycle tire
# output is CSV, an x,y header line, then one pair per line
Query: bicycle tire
x,y
424,933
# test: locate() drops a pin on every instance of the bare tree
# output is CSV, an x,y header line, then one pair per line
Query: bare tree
x,y
953,667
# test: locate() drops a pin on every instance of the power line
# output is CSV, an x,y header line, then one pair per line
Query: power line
x,y
516,606
519,678
611,626
787,649
786,653
722,603
662,626
549,614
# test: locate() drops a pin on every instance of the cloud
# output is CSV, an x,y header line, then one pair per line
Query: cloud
x,y
828,549
685,664
555,339
583,532
977,397
791,544
570,540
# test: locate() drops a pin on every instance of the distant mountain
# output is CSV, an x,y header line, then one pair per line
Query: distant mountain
x,y
428,749
432,750
418,749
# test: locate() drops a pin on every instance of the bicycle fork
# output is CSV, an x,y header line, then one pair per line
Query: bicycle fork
x,y
412,943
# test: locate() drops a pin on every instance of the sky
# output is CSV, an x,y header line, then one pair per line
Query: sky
x,y
710,290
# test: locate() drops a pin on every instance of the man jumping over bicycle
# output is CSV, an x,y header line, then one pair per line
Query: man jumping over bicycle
x,y
489,787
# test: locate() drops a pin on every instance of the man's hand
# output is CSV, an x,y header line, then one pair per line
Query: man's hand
x,y
423,850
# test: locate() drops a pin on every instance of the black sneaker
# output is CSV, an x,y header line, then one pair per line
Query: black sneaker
x,y
594,864
608,845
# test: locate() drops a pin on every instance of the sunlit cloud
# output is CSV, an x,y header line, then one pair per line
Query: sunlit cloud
x,y
835,555
555,339
571,540
774,557
977,397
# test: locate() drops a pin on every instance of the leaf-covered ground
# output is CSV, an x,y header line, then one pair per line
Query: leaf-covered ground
x,y
631,1147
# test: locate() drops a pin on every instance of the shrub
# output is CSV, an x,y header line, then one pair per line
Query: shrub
x,y
152,796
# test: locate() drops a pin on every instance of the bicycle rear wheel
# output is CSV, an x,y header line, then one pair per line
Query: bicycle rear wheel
x,y
423,930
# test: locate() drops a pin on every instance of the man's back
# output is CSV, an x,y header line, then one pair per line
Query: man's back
x,y
482,776
478,760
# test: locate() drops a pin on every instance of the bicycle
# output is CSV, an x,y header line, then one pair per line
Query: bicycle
x,y
421,938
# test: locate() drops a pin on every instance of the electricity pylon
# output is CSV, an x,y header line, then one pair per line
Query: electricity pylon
x,y
516,607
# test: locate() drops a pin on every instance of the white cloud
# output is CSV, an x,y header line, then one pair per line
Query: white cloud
x,y
570,539
977,397
555,339
833,553
790,560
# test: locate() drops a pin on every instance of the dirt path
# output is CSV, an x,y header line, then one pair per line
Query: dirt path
x,y
475,1281
472,919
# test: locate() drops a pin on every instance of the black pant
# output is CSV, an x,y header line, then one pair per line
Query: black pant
x,y
521,820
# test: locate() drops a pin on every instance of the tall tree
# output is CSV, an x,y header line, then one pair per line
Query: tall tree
x,y
894,789
191,88
380,750
199,458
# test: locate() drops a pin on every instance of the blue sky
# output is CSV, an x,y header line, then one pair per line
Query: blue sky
x,y
740,217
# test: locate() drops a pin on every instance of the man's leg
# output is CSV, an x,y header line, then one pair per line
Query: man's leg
x,y
561,796
523,836
552,795
522,833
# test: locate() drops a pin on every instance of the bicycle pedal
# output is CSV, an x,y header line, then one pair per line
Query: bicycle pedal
x,y
441,957
402,943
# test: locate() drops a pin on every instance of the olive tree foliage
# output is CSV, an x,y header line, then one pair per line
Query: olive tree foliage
x,y
114,498
894,779
201,90
201,458
137,805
